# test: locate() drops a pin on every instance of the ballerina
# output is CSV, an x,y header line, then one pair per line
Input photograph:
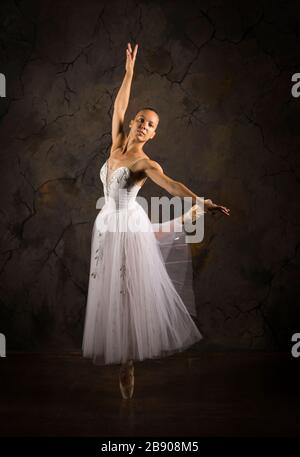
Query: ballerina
x,y
133,309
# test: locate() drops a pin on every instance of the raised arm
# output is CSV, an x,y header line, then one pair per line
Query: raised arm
x,y
122,98
155,172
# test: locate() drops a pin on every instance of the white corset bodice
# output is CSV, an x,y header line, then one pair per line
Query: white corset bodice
x,y
118,186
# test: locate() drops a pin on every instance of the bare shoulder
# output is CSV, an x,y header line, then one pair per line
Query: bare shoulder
x,y
152,169
145,164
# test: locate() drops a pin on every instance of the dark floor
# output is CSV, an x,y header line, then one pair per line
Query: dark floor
x,y
188,394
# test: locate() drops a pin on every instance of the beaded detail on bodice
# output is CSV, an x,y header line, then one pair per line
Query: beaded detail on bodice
x,y
118,185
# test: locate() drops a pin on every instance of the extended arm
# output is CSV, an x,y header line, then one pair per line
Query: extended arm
x,y
155,172
122,98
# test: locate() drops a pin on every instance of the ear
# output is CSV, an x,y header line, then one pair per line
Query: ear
x,y
153,135
130,123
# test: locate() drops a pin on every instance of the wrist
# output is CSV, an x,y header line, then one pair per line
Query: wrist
x,y
201,203
208,204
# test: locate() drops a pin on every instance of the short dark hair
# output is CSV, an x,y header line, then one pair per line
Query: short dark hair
x,y
150,109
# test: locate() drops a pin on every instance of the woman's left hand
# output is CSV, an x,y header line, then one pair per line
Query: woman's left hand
x,y
210,206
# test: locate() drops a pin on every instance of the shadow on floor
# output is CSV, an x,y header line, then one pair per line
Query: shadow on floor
x,y
188,394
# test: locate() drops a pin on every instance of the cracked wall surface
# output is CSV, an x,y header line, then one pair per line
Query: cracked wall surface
x,y
219,72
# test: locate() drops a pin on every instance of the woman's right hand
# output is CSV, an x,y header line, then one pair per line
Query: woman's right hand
x,y
130,57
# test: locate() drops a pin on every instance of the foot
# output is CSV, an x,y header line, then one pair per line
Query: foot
x,y
126,379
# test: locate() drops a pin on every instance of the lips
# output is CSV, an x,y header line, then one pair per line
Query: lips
x,y
142,133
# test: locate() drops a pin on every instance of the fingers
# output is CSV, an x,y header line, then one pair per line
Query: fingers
x,y
129,51
223,209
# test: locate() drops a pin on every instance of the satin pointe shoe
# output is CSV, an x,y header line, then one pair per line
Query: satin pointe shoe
x,y
126,380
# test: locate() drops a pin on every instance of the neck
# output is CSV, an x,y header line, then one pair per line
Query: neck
x,y
137,145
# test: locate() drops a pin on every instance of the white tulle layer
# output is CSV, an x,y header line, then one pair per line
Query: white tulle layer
x,y
133,308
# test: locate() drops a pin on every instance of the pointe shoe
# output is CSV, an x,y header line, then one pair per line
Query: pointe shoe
x,y
126,380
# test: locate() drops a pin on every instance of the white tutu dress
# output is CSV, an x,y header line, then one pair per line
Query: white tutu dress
x,y
135,308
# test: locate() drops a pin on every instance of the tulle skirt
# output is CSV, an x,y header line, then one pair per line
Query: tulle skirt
x,y
135,308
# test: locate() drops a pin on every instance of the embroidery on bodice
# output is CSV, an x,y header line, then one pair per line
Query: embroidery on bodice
x,y
114,180
118,185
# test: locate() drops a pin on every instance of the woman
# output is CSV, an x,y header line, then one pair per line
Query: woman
x,y
133,309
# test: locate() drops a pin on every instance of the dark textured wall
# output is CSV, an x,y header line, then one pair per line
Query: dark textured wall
x,y
219,72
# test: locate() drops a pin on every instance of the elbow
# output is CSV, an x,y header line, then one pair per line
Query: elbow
x,y
120,107
174,187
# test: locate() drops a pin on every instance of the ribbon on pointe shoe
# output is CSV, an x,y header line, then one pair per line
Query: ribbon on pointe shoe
x,y
126,380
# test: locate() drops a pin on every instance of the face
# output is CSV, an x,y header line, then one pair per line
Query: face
x,y
144,124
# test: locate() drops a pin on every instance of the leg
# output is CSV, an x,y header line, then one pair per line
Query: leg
x,y
126,379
